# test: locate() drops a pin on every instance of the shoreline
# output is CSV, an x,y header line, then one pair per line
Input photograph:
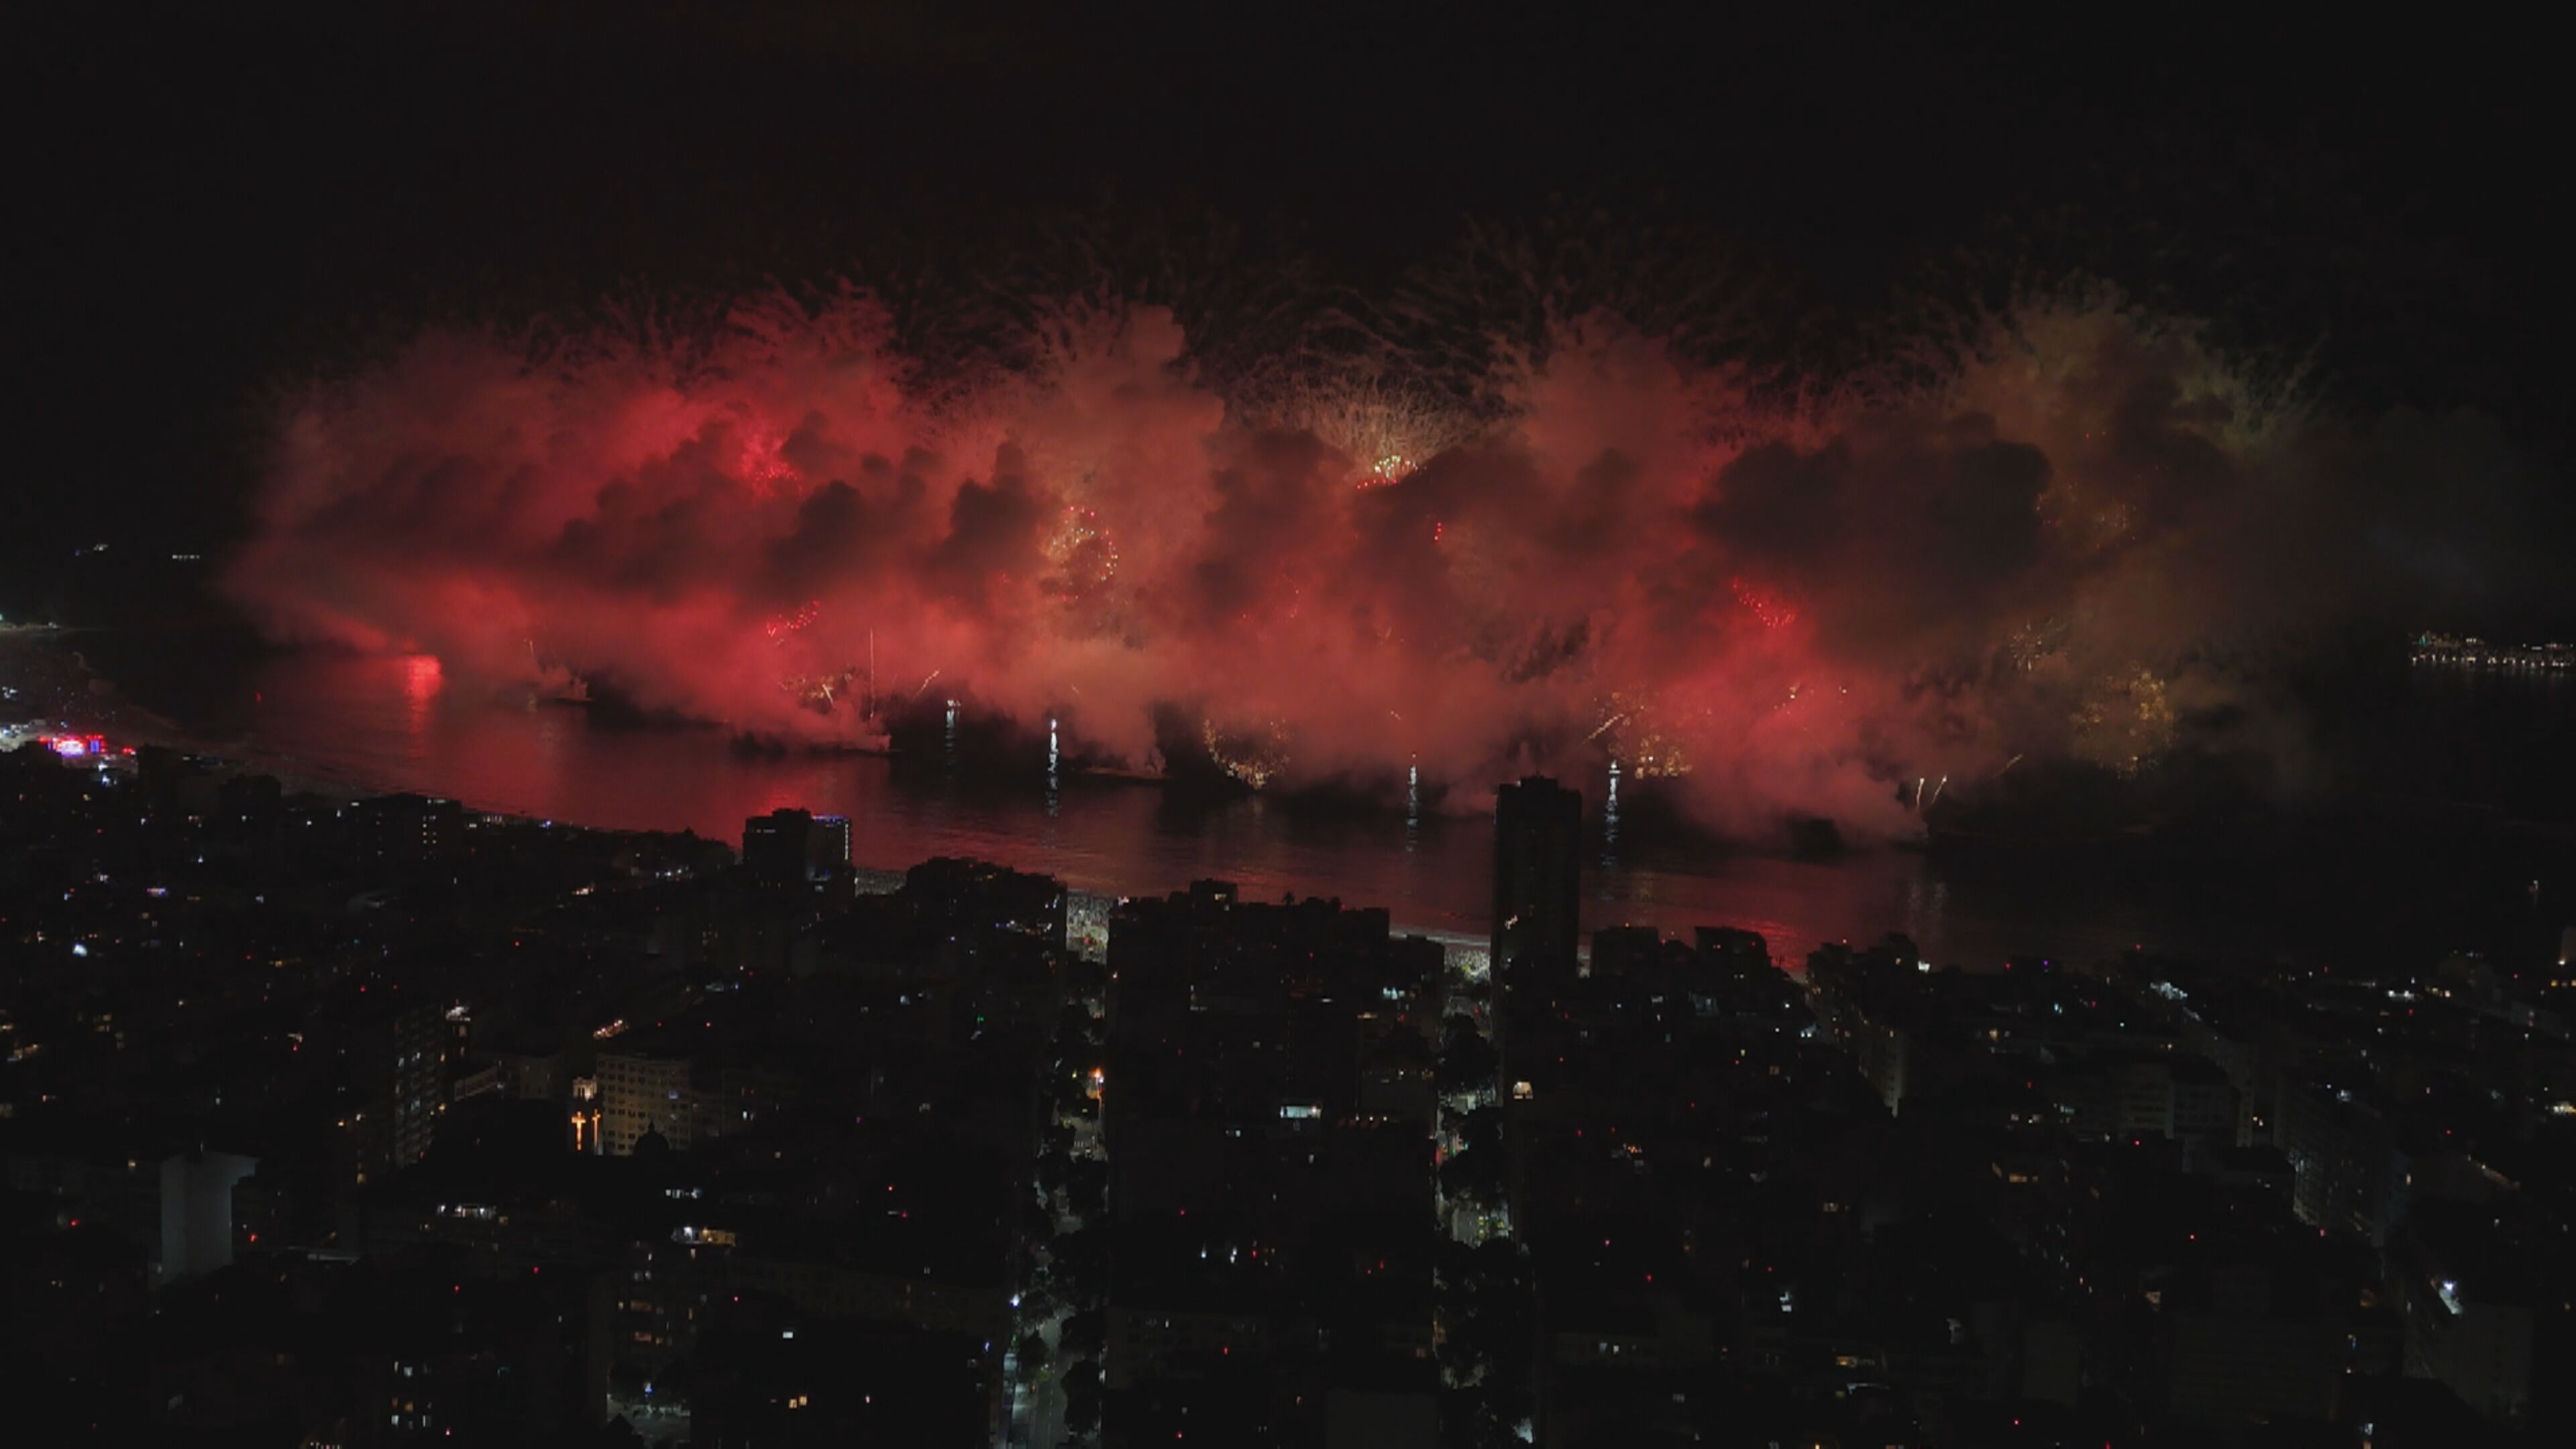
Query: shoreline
x,y
2009,898
130,725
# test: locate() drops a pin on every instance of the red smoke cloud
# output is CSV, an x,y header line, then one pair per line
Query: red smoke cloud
x,y
2044,548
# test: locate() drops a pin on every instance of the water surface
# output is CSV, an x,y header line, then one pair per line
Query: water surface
x,y
389,723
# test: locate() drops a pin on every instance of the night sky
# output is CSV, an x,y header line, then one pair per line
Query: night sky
x,y
209,199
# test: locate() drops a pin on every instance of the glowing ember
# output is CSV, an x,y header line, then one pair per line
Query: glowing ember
x,y
1763,605
820,693
1255,756
785,624
1638,738
1085,558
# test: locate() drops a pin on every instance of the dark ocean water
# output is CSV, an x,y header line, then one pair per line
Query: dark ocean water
x,y
2463,805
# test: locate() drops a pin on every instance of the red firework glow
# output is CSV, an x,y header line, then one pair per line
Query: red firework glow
x,y
785,624
1763,605
775,504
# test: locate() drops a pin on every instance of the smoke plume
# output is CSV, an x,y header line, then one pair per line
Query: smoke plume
x,y
2072,529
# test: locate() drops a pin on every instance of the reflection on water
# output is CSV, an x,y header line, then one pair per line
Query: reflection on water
x,y
422,678
392,723
401,724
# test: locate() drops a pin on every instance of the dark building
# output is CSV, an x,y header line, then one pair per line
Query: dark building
x,y
197,1212
971,900
1538,876
1538,895
408,1348
1621,953
1268,1121
829,843
408,829
398,1060
789,847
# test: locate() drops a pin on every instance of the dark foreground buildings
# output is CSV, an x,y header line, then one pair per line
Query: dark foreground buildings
x,y
1538,878
395,1124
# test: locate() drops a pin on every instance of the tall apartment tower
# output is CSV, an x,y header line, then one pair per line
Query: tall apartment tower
x,y
1538,879
398,1057
1538,893
421,1040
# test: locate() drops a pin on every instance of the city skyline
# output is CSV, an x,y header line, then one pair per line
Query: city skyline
x,y
860,722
